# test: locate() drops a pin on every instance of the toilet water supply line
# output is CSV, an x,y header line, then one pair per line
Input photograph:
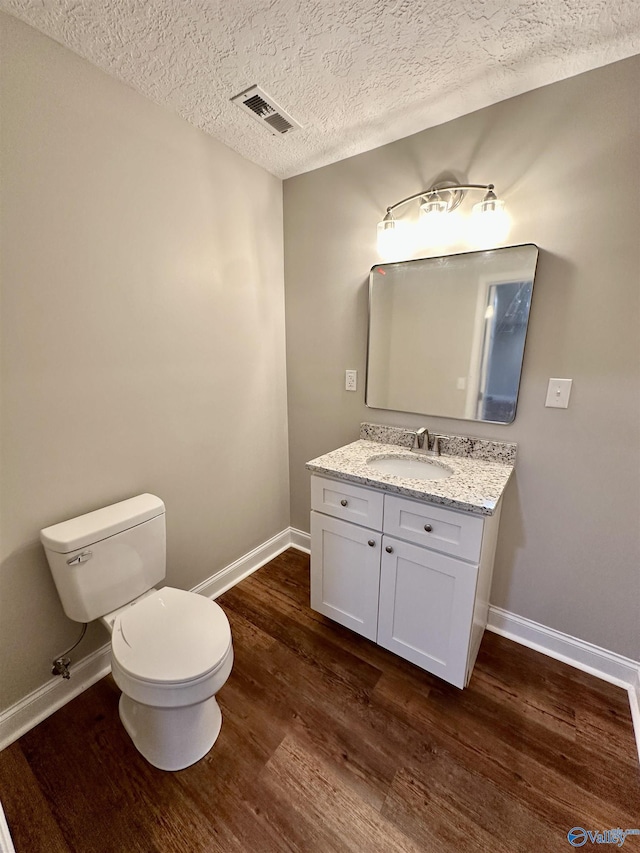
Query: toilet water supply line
x,y
61,665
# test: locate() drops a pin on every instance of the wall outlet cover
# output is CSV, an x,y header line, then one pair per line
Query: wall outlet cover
x,y
351,380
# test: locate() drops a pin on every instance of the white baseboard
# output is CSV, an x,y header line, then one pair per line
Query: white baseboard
x,y
42,702
300,540
6,842
634,702
602,663
235,572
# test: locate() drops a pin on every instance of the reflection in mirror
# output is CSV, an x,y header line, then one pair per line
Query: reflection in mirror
x,y
446,335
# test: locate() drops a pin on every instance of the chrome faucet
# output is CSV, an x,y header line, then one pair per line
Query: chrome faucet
x,y
425,444
418,440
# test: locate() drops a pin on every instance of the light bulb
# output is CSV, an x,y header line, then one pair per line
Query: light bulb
x,y
438,227
394,239
489,222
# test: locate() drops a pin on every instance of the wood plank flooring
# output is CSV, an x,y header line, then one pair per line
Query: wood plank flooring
x,y
330,743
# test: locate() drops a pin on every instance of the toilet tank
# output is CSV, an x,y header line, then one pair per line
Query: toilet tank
x,y
104,559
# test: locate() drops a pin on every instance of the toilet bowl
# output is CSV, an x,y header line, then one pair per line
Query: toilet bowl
x,y
171,650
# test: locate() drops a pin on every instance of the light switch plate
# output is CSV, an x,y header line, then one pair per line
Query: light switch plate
x,y
558,393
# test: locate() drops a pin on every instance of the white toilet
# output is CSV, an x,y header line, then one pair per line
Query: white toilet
x,y
171,650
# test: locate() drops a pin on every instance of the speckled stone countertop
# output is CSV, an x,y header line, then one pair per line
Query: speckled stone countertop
x,y
475,485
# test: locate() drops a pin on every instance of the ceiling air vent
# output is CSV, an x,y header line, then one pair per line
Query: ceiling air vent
x,y
264,109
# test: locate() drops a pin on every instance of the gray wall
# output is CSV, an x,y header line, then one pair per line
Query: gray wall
x,y
566,158
142,335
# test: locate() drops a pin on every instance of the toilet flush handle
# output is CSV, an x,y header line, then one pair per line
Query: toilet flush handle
x,y
80,558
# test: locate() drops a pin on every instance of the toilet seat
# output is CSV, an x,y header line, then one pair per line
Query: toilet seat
x,y
170,638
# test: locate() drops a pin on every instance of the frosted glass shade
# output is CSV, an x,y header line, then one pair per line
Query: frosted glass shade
x,y
489,223
395,239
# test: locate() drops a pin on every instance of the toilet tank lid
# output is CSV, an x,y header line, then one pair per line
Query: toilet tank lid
x,y
94,526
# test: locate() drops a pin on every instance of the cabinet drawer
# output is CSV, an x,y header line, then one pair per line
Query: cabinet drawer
x,y
444,530
346,501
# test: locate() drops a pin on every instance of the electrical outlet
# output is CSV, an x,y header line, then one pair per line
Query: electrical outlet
x,y
558,393
351,380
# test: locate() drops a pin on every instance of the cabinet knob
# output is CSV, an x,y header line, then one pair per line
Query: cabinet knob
x,y
344,502
372,543
389,549
428,528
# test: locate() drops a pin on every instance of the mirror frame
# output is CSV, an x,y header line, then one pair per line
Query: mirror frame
x,y
435,259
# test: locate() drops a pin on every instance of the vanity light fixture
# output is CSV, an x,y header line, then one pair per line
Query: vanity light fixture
x,y
489,221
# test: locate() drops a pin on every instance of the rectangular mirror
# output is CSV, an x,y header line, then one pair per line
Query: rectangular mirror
x,y
446,335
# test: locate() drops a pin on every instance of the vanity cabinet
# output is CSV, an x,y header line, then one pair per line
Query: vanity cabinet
x,y
409,575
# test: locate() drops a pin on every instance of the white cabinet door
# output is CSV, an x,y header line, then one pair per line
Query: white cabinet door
x,y
426,608
345,573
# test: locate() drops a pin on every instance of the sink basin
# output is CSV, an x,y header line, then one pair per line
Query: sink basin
x,y
415,469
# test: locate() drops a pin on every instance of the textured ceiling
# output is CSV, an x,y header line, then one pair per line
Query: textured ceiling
x,y
355,73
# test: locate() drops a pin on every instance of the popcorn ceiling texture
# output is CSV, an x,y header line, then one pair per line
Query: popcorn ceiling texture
x,y
355,74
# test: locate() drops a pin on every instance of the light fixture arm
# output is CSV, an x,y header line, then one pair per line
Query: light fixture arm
x,y
456,191
401,237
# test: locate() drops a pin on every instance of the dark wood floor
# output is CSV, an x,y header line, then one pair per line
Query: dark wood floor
x,y
330,743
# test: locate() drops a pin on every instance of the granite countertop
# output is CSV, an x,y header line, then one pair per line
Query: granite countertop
x,y
476,485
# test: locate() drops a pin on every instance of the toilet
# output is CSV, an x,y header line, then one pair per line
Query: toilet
x,y
171,650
